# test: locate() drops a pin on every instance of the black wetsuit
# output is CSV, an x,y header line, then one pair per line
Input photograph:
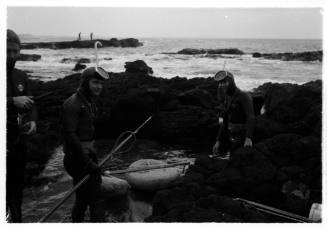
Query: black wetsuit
x,y
17,85
238,115
80,158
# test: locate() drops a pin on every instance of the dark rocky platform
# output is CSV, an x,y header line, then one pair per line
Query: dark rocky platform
x,y
283,168
113,42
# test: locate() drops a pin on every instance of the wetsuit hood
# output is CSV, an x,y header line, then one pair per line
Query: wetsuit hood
x,y
13,43
87,75
13,40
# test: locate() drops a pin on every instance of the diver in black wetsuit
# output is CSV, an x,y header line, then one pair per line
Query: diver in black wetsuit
x,y
19,101
79,113
237,114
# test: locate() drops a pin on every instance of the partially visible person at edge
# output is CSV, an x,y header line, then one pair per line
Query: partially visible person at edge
x,y
19,102
236,116
79,113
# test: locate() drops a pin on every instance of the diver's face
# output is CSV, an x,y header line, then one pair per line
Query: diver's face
x,y
223,85
13,53
96,87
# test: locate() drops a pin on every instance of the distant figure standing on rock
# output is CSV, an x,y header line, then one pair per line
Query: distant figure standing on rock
x,y
79,113
79,36
91,36
236,116
19,103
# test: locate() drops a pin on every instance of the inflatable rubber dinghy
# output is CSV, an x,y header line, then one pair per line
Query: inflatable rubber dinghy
x,y
113,186
155,179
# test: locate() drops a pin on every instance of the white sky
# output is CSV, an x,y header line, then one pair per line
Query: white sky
x,y
168,22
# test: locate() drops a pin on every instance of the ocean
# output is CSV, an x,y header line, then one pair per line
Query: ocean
x,y
249,72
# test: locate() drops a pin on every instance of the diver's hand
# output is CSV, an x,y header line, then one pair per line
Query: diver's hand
x,y
215,148
92,167
248,142
24,102
31,126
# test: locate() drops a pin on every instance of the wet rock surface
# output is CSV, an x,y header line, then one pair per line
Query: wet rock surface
x,y
138,66
287,142
289,56
266,174
76,60
113,42
29,57
282,170
79,67
190,51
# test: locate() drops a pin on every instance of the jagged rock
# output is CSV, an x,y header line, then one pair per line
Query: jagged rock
x,y
274,95
305,148
196,97
296,197
171,105
188,124
209,209
29,57
254,166
286,145
114,42
193,176
278,148
297,105
79,67
76,60
258,102
138,103
138,66
292,172
266,128
231,207
297,108
166,200
228,180
130,42
225,51
300,56
266,193
297,205
190,51
206,163
215,56
256,55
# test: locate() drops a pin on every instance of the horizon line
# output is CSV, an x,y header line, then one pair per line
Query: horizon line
x,y
164,37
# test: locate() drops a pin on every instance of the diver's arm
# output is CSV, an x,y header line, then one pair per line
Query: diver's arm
x,y
33,114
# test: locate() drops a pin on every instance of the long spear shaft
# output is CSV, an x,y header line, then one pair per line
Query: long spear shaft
x,y
88,175
132,170
267,209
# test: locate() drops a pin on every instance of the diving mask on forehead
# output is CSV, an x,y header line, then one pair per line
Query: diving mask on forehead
x,y
221,75
102,73
94,72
